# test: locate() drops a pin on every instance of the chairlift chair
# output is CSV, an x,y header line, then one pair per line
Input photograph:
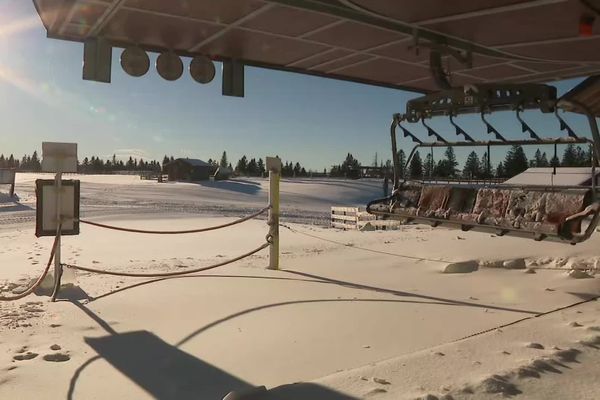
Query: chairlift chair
x,y
562,214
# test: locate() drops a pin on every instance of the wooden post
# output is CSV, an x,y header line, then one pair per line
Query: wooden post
x,y
274,167
57,259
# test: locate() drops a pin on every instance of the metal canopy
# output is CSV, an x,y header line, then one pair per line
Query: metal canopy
x,y
379,42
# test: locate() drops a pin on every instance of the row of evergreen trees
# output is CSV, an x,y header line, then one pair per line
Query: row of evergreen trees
x,y
93,165
27,163
514,163
252,166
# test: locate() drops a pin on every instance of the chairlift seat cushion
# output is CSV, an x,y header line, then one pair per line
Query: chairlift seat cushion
x,y
490,205
433,201
537,210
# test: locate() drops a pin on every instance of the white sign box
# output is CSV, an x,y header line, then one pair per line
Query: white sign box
x,y
7,176
274,164
59,157
46,207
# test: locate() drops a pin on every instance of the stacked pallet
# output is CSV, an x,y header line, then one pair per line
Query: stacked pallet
x,y
354,218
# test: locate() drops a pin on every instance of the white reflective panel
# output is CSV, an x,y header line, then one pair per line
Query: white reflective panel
x,y
274,164
59,157
7,176
46,207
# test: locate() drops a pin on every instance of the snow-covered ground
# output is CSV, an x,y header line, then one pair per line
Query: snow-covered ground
x,y
351,314
303,200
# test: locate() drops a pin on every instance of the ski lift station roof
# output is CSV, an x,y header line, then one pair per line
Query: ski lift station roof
x,y
565,176
387,43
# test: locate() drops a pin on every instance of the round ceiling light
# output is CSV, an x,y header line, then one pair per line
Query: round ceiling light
x,y
202,69
169,66
135,61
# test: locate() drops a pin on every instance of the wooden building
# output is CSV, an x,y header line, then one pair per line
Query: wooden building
x,y
189,169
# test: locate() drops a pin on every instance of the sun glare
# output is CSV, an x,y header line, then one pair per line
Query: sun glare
x,y
18,26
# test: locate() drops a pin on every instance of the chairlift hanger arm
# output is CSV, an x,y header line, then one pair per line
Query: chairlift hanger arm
x,y
564,126
460,131
525,127
491,129
432,132
522,142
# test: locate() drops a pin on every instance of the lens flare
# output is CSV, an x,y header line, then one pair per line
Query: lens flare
x,y
18,26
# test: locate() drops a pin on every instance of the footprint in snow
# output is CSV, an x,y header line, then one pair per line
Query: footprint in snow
x,y
25,356
57,357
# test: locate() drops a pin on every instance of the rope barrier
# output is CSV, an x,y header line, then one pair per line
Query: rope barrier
x,y
168,274
151,232
39,281
362,248
555,310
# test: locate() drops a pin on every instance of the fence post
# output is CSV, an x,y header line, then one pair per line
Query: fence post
x,y
274,167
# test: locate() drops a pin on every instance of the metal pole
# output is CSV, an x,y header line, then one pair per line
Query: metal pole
x,y
274,176
57,259
395,152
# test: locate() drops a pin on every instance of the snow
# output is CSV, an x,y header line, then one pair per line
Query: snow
x,y
351,314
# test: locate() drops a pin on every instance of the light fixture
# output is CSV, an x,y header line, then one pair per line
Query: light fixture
x,y
202,69
135,61
169,66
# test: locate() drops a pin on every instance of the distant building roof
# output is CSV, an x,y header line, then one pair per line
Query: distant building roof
x,y
565,176
194,162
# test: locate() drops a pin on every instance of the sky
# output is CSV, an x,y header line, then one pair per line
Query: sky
x,y
312,120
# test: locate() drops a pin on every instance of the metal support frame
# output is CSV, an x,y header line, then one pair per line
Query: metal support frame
x,y
57,256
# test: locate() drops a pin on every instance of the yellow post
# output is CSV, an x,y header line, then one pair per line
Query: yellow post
x,y
274,167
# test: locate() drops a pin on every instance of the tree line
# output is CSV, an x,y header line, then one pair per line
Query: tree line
x,y
475,167
93,165
254,167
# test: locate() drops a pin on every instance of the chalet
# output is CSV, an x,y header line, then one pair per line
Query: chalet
x,y
189,169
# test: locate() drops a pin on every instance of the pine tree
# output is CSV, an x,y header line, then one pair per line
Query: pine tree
x,y
428,168
242,166
486,168
543,163
580,157
401,162
569,158
451,161
350,166
472,167
447,167
252,167
416,166
130,164
224,163
537,159
515,161
35,162
297,169
500,171
261,167
589,156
